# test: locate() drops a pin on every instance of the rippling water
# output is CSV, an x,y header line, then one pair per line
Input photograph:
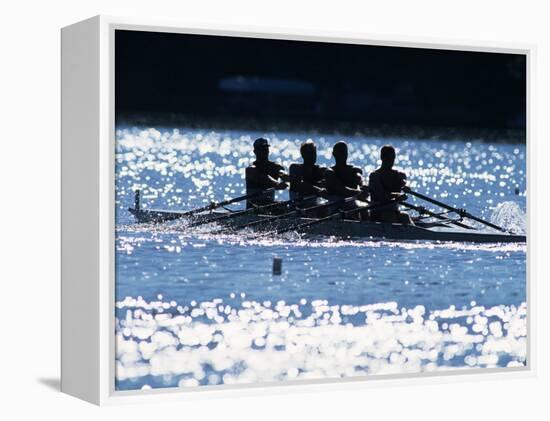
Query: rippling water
x,y
197,309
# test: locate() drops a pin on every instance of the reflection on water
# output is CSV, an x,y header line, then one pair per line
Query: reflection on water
x,y
194,308
163,344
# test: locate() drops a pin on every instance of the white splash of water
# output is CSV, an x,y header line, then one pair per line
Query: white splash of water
x,y
509,216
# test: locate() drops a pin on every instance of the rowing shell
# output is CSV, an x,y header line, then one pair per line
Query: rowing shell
x,y
345,228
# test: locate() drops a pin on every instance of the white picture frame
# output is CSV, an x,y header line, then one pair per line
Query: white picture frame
x,y
88,348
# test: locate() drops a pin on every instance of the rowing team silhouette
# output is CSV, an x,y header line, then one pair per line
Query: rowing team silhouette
x,y
341,184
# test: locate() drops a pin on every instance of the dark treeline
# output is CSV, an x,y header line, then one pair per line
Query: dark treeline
x,y
316,84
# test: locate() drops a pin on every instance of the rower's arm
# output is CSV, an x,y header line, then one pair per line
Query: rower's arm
x,y
298,184
333,184
284,176
264,180
404,186
377,191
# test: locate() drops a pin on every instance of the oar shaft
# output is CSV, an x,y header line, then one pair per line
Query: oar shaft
x,y
434,215
337,215
283,215
435,202
257,210
482,221
267,219
230,215
460,212
216,205
220,218
291,213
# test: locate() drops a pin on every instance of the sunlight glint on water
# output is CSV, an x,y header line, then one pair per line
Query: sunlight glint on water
x,y
197,309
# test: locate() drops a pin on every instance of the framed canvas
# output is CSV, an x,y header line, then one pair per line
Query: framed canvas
x,y
243,210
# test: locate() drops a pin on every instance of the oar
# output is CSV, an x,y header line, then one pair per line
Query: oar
x,y
257,209
293,212
425,211
215,205
460,212
339,214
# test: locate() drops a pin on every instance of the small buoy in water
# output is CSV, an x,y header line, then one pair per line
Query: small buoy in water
x,y
137,204
277,265
517,190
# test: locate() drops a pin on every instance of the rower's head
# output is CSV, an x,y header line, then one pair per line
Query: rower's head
x,y
261,149
387,155
340,152
308,150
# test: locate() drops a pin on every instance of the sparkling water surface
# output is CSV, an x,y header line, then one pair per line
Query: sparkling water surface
x,y
200,309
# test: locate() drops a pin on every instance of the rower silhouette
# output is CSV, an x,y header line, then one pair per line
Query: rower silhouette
x,y
264,174
386,184
307,179
343,180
